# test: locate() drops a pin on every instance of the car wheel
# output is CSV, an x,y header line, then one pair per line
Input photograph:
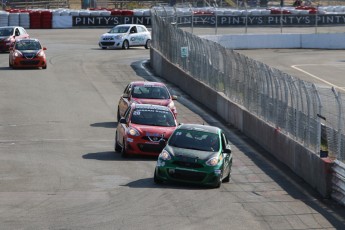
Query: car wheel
x,y
125,45
227,178
123,150
44,67
117,147
156,179
103,48
118,114
148,44
9,64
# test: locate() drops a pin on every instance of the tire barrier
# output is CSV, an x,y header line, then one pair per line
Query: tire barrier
x,y
273,16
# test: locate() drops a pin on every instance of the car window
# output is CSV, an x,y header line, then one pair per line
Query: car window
x,y
195,139
153,117
6,31
127,89
119,29
133,30
17,33
22,30
141,29
28,45
126,114
150,91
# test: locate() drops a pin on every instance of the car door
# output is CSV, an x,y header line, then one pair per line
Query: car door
x,y
124,101
134,36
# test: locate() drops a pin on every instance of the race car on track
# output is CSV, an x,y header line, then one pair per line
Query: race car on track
x,y
145,92
142,128
125,36
8,35
196,154
27,53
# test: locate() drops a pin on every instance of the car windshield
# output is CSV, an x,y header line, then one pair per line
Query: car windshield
x,y
119,29
28,45
6,31
153,117
195,139
150,92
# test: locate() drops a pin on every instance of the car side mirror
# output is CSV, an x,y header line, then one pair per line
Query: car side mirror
x,y
44,48
162,143
123,121
227,150
174,97
125,95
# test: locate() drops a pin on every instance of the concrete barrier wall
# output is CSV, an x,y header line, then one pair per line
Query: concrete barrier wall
x,y
309,166
281,41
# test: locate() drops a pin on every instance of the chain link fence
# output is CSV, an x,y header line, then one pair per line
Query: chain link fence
x,y
308,113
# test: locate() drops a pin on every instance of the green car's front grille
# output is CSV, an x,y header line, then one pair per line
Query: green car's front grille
x,y
187,164
188,175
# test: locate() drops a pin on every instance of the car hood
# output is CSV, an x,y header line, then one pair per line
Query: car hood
x,y
147,130
112,34
163,102
190,153
3,37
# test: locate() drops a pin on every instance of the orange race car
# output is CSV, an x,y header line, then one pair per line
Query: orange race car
x,y
27,53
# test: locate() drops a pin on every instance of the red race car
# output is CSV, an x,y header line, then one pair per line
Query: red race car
x,y
142,128
145,92
8,35
27,53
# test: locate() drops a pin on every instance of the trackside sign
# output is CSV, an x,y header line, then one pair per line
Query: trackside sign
x,y
99,21
262,20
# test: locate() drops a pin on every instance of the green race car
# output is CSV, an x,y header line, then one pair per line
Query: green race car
x,y
197,154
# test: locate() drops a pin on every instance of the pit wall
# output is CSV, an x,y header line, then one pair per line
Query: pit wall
x,y
314,170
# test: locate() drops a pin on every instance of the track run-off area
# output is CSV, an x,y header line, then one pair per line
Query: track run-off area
x,y
58,168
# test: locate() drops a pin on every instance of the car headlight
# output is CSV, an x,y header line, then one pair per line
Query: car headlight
x,y
164,155
118,37
171,105
18,54
40,54
214,160
133,132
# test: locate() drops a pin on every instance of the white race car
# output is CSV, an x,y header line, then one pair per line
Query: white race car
x,y
126,35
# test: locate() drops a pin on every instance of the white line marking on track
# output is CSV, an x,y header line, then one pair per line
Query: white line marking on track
x,y
313,76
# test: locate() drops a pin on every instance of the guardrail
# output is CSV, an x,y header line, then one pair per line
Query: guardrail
x,y
283,114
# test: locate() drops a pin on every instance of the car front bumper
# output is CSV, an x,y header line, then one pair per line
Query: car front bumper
x,y
205,176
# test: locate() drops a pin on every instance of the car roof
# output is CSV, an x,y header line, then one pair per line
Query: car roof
x,y
150,106
200,127
6,27
156,83
28,39
130,25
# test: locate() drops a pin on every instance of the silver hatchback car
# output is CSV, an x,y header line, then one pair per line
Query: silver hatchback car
x,y
125,36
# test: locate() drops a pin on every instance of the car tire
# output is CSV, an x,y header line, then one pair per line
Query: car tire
x,y
104,48
9,64
156,179
44,67
123,150
117,147
125,45
148,44
118,114
227,178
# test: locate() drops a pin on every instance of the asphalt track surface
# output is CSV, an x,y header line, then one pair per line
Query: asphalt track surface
x,y
58,169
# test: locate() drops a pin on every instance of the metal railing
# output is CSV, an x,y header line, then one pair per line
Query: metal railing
x,y
308,113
